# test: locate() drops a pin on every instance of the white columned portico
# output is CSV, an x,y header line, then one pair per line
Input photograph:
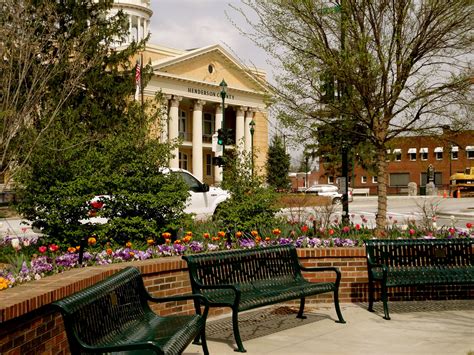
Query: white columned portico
x,y
249,115
240,128
218,125
197,139
174,129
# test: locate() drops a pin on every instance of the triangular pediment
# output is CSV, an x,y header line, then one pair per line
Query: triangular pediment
x,y
210,65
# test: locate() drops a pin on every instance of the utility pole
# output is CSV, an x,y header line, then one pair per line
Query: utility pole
x,y
343,98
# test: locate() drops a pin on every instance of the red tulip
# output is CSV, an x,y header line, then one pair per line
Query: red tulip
x,y
42,249
469,225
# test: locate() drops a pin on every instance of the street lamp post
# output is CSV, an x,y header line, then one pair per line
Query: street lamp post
x,y
223,86
252,131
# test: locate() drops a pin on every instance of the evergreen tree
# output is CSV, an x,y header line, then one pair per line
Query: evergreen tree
x,y
278,165
100,144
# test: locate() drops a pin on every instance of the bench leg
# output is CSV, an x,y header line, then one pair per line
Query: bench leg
x,y
300,312
371,295
197,341
203,341
235,325
385,302
336,305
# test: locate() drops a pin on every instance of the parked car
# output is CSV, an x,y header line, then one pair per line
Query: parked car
x,y
328,190
202,202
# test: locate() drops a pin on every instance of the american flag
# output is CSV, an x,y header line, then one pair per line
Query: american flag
x,y
137,80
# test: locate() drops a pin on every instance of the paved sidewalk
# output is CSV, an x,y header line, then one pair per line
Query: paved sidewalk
x,y
431,327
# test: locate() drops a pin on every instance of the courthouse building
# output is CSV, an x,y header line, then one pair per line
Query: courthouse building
x,y
189,81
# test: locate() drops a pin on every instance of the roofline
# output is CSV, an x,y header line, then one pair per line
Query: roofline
x,y
204,50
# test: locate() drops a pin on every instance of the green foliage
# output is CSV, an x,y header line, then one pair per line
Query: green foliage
x,y
100,144
278,165
251,205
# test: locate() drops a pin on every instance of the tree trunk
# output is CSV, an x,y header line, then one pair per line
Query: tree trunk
x,y
381,217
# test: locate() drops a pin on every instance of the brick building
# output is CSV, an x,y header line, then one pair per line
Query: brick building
x,y
410,157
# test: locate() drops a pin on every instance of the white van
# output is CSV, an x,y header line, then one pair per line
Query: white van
x,y
202,202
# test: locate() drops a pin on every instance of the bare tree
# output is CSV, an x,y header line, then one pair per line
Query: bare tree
x,y
375,68
43,60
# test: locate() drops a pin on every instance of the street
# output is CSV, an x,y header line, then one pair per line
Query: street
x,y
401,209
362,210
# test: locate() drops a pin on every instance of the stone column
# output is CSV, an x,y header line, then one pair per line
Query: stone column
x,y
174,130
240,128
249,115
197,139
165,121
130,28
218,125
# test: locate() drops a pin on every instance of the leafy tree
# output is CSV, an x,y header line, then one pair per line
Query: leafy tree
x,y
37,73
251,205
398,67
100,143
278,165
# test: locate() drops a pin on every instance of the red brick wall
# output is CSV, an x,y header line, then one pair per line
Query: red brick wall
x,y
415,168
29,326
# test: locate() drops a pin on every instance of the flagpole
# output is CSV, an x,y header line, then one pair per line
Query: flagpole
x,y
141,82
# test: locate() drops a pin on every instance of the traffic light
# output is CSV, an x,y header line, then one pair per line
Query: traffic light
x,y
219,161
220,137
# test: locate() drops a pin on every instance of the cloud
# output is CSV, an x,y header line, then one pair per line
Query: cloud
x,y
187,24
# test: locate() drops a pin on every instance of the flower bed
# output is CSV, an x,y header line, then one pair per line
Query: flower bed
x,y
30,260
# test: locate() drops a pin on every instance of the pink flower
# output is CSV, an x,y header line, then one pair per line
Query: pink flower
x,y
411,231
451,231
357,226
346,229
42,249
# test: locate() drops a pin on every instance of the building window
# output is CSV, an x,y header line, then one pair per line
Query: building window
x,y
424,153
183,132
183,161
412,154
363,179
454,153
374,179
438,153
330,179
207,127
210,68
470,152
208,165
397,153
399,179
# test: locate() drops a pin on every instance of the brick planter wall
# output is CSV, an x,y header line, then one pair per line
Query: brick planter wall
x,y
30,326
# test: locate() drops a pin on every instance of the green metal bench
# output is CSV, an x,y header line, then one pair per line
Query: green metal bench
x,y
114,316
402,262
250,278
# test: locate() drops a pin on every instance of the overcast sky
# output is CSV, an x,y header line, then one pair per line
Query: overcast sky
x,y
186,24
